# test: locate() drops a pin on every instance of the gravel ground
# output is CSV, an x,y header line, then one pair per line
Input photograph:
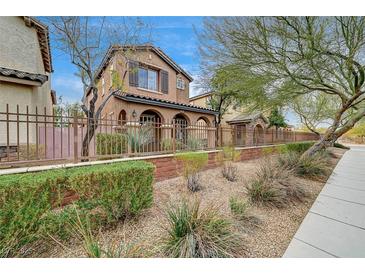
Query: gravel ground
x,y
269,238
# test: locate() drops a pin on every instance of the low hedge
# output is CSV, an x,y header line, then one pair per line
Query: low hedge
x,y
111,143
299,147
107,192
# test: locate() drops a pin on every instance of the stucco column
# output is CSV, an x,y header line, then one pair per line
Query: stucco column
x,y
211,137
166,137
249,135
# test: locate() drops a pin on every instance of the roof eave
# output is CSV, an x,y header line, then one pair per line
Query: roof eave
x,y
164,104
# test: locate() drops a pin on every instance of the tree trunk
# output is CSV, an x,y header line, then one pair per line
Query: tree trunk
x,y
92,118
334,132
327,140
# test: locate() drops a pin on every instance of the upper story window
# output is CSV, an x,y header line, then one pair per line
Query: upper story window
x,y
180,83
147,78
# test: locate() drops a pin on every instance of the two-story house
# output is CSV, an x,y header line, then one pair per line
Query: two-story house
x,y
154,89
25,77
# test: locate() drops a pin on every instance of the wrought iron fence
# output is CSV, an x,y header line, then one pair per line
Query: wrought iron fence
x,y
32,136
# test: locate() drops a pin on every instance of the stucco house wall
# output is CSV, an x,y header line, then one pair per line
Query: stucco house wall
x,y
20,50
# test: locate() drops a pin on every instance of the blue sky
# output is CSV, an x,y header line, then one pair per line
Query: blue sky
x,y
175,35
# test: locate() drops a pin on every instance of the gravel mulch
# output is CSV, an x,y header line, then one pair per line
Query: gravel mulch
x,y
269,238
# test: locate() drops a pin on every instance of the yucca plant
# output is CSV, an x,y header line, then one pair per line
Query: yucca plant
x,y
193,232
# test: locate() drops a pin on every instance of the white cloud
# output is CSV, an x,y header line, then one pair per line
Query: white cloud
x,y
68,86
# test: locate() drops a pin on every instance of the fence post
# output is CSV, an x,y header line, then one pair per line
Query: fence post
x,y
173,136
75,138
221,136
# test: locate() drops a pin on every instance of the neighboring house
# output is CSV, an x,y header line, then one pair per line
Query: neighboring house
x,y
25,76
155,89
249,127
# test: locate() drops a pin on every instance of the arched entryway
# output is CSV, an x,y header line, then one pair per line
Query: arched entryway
x,y
258,135
203,121
148,135
181,123
200,132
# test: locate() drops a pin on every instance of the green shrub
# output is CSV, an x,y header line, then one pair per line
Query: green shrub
x,y
274,186
268,150
196,233
299,147
167,144
193,163
27,200
338,145
194,144
111,143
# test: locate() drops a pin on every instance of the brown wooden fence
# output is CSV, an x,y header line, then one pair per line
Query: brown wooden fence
x,y
37,137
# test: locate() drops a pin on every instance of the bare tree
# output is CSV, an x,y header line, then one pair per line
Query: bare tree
x,y
86,40
289,57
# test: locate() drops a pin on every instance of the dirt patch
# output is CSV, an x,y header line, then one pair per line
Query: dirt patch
x,y
269,238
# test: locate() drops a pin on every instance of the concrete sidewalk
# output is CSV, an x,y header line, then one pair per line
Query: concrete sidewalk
x,y
335,224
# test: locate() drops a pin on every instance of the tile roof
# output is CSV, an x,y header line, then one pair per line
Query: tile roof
x,y
23,75
114,48
160,102
247,118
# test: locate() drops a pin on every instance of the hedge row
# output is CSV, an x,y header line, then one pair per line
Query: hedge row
x,y
105,192
299,147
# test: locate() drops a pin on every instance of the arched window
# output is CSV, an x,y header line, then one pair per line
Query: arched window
x,y
122,117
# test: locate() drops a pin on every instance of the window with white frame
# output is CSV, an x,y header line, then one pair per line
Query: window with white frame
x,y
180,83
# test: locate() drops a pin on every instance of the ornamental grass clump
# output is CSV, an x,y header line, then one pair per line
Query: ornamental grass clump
x,y
82,229
274,185
193,163
193,232
315,166
239,208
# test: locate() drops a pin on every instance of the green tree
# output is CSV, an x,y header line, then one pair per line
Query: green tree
x,y
222,97
277,59
277,119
